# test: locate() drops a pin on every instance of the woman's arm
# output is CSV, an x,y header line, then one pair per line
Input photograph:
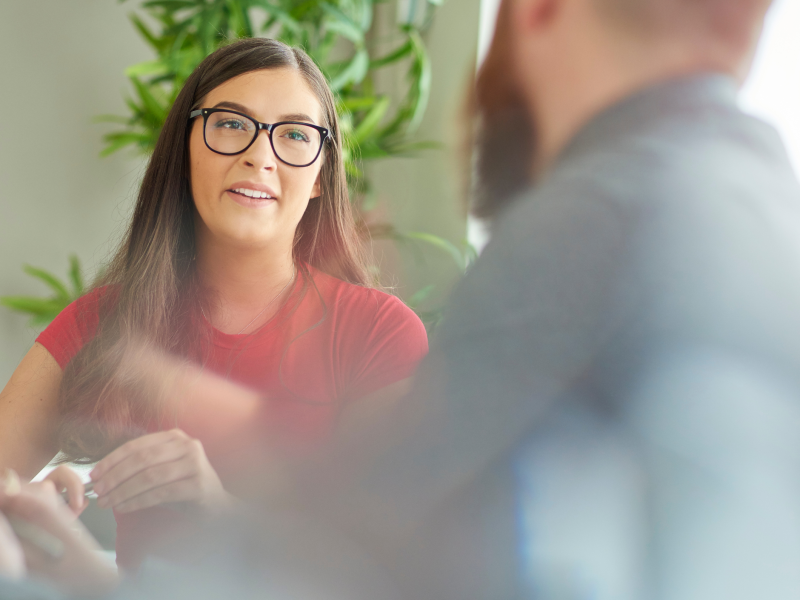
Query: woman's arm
x,y
29,414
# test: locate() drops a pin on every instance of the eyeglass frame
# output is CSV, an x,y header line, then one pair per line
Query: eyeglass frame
x,y
269,127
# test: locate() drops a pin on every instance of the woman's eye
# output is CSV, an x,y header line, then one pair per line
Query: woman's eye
x,y
231,124
295,135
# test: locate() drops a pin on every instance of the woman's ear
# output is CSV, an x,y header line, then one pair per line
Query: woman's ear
x,y
316,189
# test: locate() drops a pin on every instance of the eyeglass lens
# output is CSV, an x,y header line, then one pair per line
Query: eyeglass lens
x,y
230,133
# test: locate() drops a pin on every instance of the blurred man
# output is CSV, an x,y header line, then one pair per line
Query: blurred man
x,y
611,408
614,397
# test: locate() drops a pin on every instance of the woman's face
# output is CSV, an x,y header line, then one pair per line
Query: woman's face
x,y
232,217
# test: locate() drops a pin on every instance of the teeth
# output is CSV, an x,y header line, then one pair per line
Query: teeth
x,y
252,193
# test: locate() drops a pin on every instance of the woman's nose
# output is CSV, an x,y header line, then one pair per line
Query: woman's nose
x,y
260,154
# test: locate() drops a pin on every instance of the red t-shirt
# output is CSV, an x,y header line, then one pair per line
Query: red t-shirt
x,y
334,340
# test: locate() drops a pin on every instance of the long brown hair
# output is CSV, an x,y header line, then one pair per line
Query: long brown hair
x,y
149,291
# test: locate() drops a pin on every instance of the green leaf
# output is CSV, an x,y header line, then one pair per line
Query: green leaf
x,y
50,280
340,23
157,110
117,141
371,120
438,242
423,81
369,150
283,17
402,52
470,253
33,305
430,318
145,32
149,68
420,296
76,276
43,319
171,5
239,21
355,71
355,104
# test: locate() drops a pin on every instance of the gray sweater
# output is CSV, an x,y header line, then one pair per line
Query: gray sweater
x,y
621,414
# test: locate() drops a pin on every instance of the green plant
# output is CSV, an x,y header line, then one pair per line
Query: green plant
x,y
337,34
343,39
44,310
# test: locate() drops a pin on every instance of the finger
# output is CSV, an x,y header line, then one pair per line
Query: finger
x,y
12,560
140,443
148,479
138,461
183,490
65,478
46,491
10,483
40,510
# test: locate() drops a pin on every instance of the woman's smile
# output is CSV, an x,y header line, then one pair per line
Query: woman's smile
x,y
252,195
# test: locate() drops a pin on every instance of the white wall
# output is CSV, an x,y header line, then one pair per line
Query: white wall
x,y
61,64
425,193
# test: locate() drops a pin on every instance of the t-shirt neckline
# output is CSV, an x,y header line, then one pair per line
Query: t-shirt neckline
x,y
235,340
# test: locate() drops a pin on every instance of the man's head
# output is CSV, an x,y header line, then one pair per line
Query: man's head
x,y
554,64
722,32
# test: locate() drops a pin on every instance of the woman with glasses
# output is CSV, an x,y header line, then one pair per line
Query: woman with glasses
x,y
242,257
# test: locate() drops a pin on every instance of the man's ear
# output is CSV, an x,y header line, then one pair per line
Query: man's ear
x,y
531,15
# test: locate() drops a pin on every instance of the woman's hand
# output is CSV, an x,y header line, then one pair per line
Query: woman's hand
x,y
79,569
168,466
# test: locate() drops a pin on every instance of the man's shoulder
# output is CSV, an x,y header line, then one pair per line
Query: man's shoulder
x,y
658,210
667,174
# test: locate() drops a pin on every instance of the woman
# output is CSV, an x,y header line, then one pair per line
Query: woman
x,y
243,257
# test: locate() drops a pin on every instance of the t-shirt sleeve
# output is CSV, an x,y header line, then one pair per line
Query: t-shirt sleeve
x,y
393,342
74,327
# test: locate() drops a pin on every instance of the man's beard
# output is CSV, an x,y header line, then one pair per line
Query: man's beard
x,y
503,158
503,136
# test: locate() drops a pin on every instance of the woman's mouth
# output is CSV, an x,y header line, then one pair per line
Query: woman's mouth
x,y
251,193
250,198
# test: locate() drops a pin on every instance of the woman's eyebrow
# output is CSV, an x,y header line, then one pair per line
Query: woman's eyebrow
x,y
296,117
244,109
232,106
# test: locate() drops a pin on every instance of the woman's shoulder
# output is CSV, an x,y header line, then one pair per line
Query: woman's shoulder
x,y
76,325
361,300
379,337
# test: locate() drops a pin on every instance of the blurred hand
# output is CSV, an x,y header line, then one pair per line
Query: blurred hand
x,y
81,570
159,468
12,558
66,480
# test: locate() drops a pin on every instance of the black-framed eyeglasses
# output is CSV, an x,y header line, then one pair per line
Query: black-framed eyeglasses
x,y
230,132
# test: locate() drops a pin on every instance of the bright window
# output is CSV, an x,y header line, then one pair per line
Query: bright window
x,y
772,92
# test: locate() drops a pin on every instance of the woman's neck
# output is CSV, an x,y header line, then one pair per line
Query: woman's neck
x,y
242,282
